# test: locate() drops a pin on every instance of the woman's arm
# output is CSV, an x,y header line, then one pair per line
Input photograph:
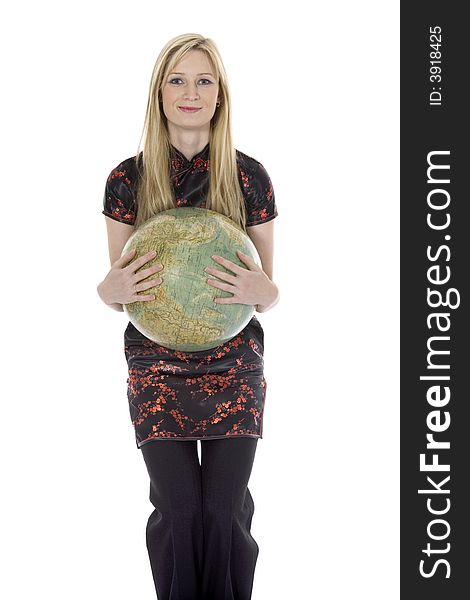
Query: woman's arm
x,y
118,234
262,236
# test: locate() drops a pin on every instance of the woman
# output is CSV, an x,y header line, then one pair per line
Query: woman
x,y
198,536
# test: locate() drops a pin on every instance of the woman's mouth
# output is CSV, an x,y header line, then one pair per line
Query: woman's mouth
x,y
188,109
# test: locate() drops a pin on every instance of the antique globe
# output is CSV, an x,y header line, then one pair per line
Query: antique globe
x,y
183,316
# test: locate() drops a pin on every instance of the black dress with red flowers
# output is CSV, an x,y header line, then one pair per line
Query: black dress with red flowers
x,y
216,393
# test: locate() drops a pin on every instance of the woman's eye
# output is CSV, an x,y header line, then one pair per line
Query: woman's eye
x,y
179,79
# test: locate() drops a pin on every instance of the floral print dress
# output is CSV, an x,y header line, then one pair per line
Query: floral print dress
x,y
216,393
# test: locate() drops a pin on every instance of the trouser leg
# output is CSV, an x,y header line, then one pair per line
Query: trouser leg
x,y
230,551
174,532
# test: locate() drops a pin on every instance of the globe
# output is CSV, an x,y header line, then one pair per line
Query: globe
x,y
183,316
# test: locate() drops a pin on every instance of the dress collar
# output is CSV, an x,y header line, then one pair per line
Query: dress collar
x,y
204,154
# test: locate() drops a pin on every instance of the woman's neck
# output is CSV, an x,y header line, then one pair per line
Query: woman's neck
x,y
189,143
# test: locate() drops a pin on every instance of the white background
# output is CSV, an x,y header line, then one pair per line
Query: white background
x,y
315,94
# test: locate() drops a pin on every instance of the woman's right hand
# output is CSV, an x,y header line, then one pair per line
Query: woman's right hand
x,y
121,284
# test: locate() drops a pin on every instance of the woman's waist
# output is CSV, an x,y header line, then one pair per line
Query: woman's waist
x,y
133,331
251,336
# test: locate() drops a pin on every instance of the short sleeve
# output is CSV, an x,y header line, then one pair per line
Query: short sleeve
x,y
260,200
118,199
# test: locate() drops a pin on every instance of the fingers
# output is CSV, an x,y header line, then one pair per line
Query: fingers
x,y
142,275
221,275
138,262
140,298
248,260
145,285
124,259
228,264
146,272
223,286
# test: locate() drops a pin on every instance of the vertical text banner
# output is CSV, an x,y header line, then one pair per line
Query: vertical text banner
x,y
434,302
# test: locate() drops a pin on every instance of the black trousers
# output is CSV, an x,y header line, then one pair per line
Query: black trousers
x,y
198,537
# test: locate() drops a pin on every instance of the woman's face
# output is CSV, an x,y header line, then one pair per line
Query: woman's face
x,y
191,84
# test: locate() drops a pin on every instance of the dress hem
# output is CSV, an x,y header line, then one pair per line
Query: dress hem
x,y
208,437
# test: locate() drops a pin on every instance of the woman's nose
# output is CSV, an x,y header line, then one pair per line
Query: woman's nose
x,y
191,92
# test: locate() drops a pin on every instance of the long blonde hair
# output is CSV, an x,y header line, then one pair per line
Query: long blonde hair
x,y
154,191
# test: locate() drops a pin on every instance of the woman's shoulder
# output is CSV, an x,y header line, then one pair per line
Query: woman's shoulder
x,y
257,189
252,171
126,170
119,195
122,181
247,162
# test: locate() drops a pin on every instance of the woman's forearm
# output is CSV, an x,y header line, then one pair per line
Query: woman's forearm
x,y
275,299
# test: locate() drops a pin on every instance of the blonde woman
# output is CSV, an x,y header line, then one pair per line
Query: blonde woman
x,y
198,535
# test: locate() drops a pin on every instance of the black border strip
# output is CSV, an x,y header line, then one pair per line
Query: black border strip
x,y
434,263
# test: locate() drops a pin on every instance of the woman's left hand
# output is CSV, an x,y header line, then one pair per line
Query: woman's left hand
x,y
248,286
